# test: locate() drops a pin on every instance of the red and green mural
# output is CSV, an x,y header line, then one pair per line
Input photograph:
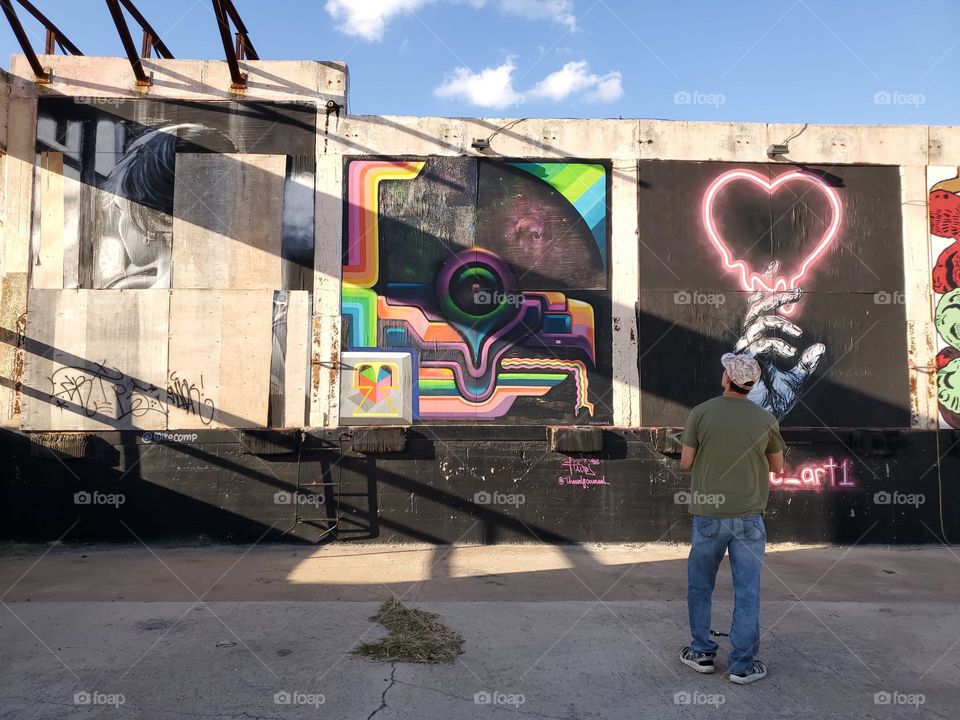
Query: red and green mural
x,y
945,246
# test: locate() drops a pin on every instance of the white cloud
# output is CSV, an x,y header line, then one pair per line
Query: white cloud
x,y
560,11
368,19
491,87
575,77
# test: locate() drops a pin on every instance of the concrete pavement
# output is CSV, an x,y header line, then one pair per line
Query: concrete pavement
x,y
556,632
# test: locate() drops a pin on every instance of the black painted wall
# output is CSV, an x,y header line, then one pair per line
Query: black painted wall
x,y
466,485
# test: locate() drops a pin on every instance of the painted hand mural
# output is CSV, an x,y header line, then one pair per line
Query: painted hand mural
x,y
778,390
488,279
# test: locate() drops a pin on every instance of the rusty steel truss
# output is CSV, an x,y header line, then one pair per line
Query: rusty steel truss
x,y
238,48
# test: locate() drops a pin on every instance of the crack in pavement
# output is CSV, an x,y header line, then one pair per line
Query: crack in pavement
x,y
383,697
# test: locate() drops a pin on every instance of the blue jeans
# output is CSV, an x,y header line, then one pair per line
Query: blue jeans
x,y
745,537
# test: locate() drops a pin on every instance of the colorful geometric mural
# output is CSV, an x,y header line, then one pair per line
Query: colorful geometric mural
x,y
490,278
944,183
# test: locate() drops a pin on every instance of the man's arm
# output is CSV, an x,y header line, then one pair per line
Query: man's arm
x,y
689,442
775,460
775,448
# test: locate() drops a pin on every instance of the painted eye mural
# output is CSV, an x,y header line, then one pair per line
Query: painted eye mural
x,y
800,266
488,279
944,183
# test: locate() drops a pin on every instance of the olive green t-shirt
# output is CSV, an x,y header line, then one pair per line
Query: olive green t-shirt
x,y
732,437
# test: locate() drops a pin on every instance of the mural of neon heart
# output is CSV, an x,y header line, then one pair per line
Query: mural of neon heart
x,y
750,280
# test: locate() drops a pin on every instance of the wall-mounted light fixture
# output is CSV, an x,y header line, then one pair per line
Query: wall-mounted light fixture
x,y
777,151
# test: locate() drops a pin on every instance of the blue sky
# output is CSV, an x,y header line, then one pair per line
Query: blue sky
x,y
831,61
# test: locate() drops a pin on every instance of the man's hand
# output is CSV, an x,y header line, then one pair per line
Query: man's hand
x,y
778,390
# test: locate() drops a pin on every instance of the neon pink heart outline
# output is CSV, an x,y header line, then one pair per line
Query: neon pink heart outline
x,y
752,281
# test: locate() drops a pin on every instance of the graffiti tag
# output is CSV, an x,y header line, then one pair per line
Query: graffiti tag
x,y
188,396
582,472
108,392
827,473
104,391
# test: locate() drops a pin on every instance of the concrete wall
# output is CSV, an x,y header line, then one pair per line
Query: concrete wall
x,y
196,352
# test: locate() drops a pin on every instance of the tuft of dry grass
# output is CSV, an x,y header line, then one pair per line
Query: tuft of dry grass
x,y
415,636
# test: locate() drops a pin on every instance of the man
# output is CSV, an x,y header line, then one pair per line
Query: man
x,y
732,445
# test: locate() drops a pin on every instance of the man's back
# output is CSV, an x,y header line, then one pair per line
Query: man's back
x,y
732,437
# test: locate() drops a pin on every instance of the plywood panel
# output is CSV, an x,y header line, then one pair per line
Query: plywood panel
x,y
220,344
194,364
297,355
228,220
96,360
48,265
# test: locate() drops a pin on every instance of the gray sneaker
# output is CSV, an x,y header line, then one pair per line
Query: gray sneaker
x,y
702,662
757,672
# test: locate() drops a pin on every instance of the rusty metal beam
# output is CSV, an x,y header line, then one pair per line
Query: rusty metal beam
x,y
53,35
117,14
62,40
24,41
248,51
150,36
239,79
